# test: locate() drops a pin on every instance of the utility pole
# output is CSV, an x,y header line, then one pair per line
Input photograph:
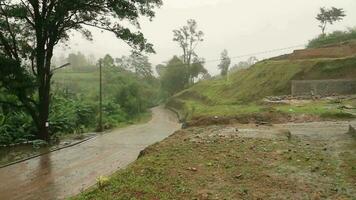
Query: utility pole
x,y
100,97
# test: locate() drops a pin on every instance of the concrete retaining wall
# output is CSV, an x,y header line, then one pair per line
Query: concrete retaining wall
x,y
323,87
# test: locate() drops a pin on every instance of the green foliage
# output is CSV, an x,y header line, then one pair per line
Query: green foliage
x,y
247,87
25,38
16,127
137,63
15,82
71,114
113,115
175,77
225,63
188,38
197,68
78,62
129,98
337,37
75,106
329,16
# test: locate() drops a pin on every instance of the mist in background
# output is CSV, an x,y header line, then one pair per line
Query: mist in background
x,y
242,27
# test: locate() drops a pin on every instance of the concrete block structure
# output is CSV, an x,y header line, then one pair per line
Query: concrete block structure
x,y
323,87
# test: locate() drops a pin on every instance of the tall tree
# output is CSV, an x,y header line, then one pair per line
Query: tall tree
x,y
188,38
77,60
329,16
108,61
30,29
197,68
160,69
137,63
224,63
174,77
140,65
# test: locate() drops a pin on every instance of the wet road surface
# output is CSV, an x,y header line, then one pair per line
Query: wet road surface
x,y
66,172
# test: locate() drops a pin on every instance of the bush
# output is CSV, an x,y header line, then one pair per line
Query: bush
x,y
333,38
16,127
113,115
71,115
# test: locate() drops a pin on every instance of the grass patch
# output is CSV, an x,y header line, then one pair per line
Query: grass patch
x,y
336,37
200,164
321,108
243,91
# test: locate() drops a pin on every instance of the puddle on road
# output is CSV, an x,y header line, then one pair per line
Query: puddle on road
x,y
16,153
13,154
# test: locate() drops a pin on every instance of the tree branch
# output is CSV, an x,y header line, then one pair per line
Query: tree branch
x,y
60,67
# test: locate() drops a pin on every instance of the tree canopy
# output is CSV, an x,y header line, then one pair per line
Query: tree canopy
x,y
30,29
175,76
224,63
137,63
189,37
329,16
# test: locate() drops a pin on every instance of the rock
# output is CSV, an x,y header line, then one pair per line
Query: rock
x,y
352,131
184,125
348,107
262,123
192,169
315,169
238,176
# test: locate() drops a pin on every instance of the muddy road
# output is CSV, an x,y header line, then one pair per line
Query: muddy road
x,y
66,172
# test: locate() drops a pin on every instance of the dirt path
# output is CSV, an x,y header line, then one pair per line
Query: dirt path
x,y
66,172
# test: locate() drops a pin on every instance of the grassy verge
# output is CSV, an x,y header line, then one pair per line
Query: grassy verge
x,y
201,163
322,109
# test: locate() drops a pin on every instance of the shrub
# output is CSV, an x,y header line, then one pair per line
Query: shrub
x,y
333,38
72,115
16,127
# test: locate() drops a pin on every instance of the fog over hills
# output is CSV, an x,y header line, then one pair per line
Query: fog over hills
x,y
242,27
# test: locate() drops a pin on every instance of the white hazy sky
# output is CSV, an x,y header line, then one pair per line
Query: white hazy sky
x,y
240,26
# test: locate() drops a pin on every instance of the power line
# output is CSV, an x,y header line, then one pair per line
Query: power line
x,y
246,55
269,51
208,61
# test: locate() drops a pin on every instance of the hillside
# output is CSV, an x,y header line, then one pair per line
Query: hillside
x,y
243,91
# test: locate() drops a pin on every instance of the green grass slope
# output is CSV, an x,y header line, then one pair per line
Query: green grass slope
x,y
249,86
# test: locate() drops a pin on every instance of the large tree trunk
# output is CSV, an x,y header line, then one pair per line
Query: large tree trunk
x,y
43,108
44,81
